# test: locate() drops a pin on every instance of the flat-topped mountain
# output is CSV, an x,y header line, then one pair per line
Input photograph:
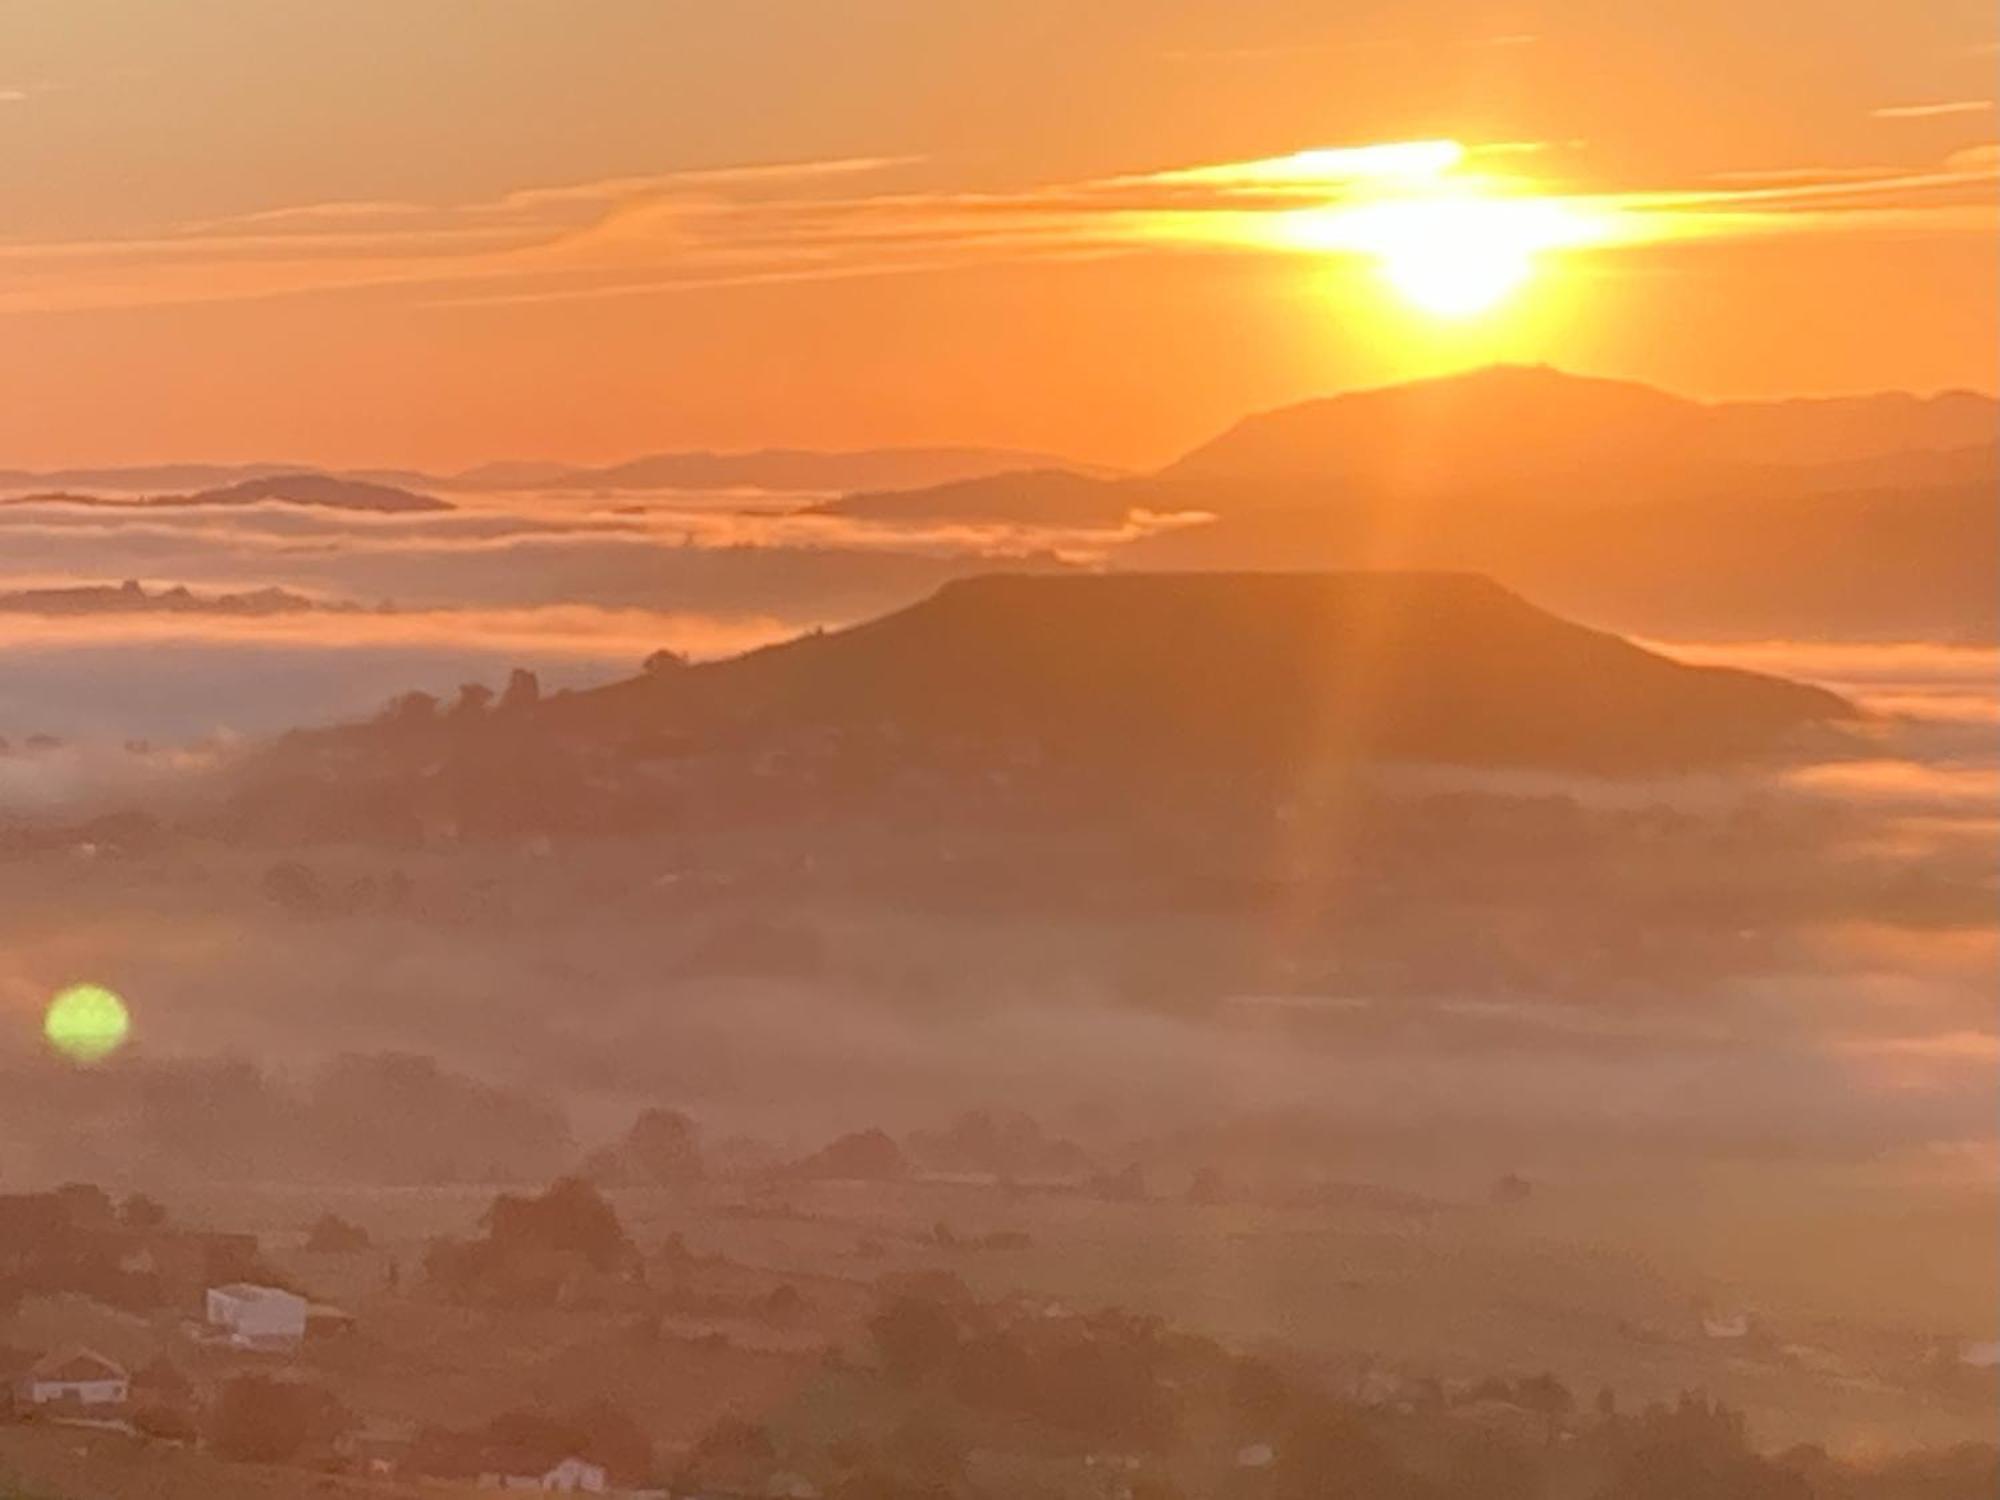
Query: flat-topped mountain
x,y
1230,671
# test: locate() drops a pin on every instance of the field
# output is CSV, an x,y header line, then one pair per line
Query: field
x,y
68,1463
1604,1282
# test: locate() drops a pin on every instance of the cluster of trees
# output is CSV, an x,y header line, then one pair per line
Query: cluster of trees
x,y
260,1419
536,1248
1118,1382
662,1149
76,1238
1103,1376
378,1116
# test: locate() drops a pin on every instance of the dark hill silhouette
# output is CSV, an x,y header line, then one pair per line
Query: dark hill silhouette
x,y
1521,437
1494,426
318,489
328,490
1213,671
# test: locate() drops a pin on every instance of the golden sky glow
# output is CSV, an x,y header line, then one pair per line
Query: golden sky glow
x,y
614,226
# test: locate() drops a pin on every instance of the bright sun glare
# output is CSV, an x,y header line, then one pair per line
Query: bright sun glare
x,y
1451,246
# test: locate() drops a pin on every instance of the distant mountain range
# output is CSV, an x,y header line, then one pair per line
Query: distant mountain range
x,y
1864,516
794,470
324,490
131,598
1509,422
1869,516
784,469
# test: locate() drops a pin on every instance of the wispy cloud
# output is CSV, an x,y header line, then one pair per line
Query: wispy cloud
x,y
1933,110
873,216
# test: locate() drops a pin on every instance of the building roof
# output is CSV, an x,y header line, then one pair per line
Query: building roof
x,y
76,1366
245,1291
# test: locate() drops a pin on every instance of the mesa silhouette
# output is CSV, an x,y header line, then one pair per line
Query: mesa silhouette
x,y
1199,673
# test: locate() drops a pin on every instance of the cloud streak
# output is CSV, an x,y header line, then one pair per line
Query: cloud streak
x,y
780,223
1933,111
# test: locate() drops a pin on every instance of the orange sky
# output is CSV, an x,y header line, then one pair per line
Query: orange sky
x,y
438,231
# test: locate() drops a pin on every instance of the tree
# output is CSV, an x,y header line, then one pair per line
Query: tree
x,y
142,1213
664,663
293,887
524,690
665,1146
474,698
410,709
1547,1396
86,1205
570,1216
915,1337
333,1235
256,1419
1696,1447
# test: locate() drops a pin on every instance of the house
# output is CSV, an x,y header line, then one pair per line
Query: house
x,y
572,1476
1726,1325
77,1378
257,1317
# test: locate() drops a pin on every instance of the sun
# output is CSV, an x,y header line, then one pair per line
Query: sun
x,y
1449,249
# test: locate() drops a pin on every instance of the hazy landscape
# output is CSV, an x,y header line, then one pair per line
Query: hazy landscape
x,y
1160,803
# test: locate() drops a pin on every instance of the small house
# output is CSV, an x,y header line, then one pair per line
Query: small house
x,y
571,1476
77,1378
257,1317
1734,1325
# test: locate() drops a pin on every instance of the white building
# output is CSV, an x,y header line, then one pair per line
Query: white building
x,y
257,1317
573,1476
81,1377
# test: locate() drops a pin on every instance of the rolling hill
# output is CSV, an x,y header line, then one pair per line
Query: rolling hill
x,y
1221,673
330,490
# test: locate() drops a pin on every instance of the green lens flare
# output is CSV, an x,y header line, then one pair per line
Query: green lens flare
x,y
86,1023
